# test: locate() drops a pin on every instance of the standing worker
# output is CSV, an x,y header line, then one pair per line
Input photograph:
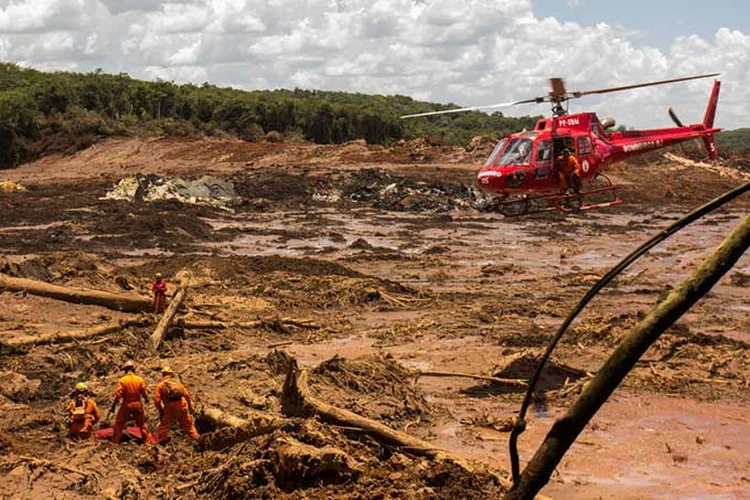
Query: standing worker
x,y
130,389
159,289
173,402
82,413
568,171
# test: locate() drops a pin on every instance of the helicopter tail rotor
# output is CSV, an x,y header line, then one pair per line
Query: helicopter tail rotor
x,y
674,118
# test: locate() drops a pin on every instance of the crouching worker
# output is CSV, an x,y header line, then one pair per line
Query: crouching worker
x,y
82,413
130,389
173,402
568,172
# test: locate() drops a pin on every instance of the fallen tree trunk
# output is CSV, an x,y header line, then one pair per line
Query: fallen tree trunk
x,y
71,336
126,303
232,430
505,381
167,318
296,400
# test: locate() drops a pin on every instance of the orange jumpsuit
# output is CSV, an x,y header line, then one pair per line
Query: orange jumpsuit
x,y
81,426
174,409
159,289
130,389
567,167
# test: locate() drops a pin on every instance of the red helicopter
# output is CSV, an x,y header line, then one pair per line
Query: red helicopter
x,y
523,167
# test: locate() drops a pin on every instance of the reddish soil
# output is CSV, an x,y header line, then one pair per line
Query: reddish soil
x,y
390,252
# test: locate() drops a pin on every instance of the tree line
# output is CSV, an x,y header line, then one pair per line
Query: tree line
x,y
46,112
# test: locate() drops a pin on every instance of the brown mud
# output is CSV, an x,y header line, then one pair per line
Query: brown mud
x,y
392,264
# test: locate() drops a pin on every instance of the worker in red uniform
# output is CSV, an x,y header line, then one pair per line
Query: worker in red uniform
x,y
159,289
130,389
173,402
82,413
568,172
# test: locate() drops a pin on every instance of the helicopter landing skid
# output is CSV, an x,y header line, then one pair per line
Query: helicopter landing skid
x,y
590,199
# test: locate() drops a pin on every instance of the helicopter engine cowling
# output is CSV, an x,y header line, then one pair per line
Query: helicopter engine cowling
x,y
608,122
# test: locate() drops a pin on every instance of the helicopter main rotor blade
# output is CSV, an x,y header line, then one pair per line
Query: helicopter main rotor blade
x,y
559,94
460,110
638,85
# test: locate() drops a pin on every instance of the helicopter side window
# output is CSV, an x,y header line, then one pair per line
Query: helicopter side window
x,y
543,151
584,145
518,152
495,152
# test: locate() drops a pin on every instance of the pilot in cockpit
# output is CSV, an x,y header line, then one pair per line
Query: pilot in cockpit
x,y
524,154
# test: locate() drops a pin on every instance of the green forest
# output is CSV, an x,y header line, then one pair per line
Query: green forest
x,y
43,112
48,112
733,140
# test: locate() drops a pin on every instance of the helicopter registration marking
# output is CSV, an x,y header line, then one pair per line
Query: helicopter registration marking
x,y
567,122
628,148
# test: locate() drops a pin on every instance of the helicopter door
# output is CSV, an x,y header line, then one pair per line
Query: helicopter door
x,y
543,159
561,142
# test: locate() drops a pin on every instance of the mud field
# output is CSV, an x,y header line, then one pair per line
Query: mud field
x,y
366,265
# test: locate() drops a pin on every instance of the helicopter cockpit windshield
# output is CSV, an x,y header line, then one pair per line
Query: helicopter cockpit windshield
x,y
518,152
495,152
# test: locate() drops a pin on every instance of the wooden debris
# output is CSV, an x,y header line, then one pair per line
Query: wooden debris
x,y
280,344
232,430
299,463
19,343
167,318
118,302
296,400
505,381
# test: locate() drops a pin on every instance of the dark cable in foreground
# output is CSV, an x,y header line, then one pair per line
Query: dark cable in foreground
x,y
520,424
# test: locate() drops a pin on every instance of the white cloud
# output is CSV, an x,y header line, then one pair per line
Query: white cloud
x,y
472,52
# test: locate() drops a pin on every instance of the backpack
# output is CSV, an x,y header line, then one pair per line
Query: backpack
x,y
173,390
79,410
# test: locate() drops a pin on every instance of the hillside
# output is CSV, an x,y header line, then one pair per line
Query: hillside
x,y
42,113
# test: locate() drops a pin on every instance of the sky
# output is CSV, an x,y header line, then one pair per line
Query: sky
x,y
471,53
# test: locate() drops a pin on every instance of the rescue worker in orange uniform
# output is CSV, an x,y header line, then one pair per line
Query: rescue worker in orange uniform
x,y
130,389
568,172
159,289
173,402
82,413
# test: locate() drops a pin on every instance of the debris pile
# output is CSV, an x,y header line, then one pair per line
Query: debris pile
x,y
387,192
374,386
206,190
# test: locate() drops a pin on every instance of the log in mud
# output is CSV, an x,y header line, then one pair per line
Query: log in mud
x,y
117,302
